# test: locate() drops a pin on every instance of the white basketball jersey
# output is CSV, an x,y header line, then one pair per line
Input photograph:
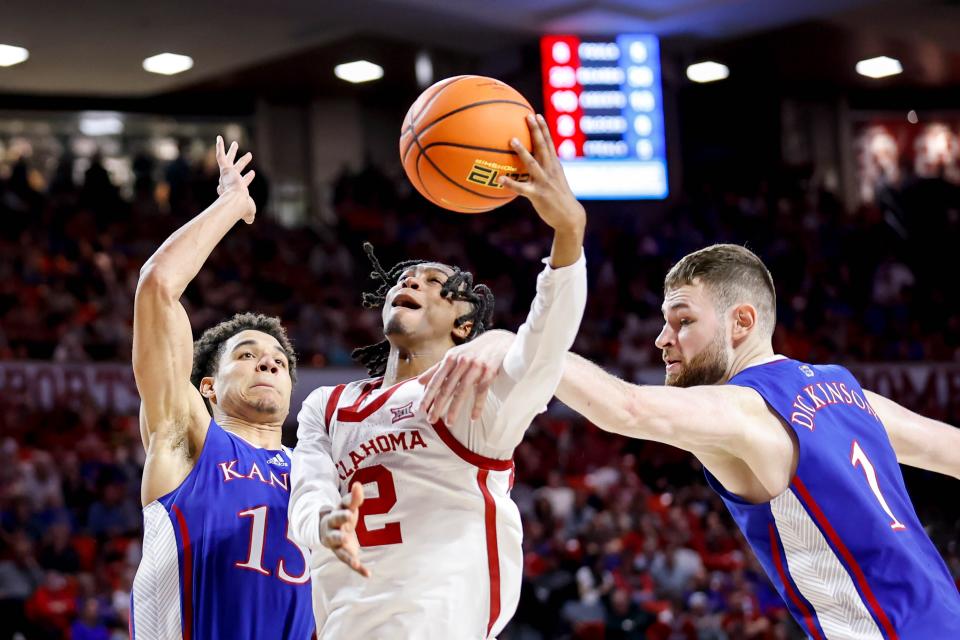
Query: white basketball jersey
x,y
438,529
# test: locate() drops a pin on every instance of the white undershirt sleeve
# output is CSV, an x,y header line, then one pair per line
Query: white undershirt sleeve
x,y
313,476
533,365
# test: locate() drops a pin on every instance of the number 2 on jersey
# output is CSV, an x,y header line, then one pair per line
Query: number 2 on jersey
x,y
389,533
857,456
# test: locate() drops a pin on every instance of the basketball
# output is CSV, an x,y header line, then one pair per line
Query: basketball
x,y
455,142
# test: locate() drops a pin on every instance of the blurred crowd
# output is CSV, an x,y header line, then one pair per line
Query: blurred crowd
x,y
70,523
864,286
622,539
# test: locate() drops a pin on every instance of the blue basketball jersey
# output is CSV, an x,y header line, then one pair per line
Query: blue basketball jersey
x,y
217,560
843,544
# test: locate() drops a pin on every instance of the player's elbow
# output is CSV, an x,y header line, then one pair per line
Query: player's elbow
x,y
630,415
155,282
650,418
945,460
643,422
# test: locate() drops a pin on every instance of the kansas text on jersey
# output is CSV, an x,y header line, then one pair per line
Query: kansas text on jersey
x,y
217,558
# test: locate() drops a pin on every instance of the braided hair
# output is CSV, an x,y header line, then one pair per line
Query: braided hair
x,y
459,287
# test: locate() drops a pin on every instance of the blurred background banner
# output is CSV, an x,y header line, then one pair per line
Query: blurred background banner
x,y
110,387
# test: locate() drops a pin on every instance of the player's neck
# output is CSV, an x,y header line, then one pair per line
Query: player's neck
x,y
405,363
265,436
748,356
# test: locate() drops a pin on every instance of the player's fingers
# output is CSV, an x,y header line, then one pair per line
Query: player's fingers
x,y
338,518
464,390
480,398
430,393
550,153
356,496
334,539
232,152
445,394
243,162
427,375
219,189
545,135
533,167
524,189
357,566
540,149
447,386
247,179
348,558
220,153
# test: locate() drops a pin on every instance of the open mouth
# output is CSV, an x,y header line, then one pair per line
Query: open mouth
x,y
405,301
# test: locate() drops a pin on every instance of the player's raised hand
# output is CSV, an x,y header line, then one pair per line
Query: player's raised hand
x,y
470,367
338,530
547,188
232,177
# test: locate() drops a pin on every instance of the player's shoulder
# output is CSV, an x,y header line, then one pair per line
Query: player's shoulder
x,y
742,401
317,399
833,368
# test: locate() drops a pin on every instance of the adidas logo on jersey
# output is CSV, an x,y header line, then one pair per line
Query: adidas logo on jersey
x,y
807,371
278,461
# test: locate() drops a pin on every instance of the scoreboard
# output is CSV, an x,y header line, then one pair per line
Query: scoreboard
x,y
603,101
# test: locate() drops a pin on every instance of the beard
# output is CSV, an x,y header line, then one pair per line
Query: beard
x,y
707,367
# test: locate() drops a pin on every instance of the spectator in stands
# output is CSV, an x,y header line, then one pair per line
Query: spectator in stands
x,y
89,626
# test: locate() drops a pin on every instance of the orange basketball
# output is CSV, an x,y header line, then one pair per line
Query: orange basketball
x,y
455,142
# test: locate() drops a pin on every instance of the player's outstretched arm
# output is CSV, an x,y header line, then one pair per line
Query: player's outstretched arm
x,y
162,337
919,441
704,420
318,516
550,194
531,368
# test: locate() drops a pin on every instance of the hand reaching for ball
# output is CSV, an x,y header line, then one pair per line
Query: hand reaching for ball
x,y
550,193
232,179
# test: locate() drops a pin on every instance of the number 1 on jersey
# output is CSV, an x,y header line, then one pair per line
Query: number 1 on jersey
x,y
857,456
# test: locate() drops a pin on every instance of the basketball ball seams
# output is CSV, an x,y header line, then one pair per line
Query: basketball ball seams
x,y
433,98
416,134
454,182
436,200
466,107
423,184
467,146
430,101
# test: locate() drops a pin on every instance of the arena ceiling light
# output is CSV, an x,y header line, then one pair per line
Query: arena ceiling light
x,y
708,71
10,55
879,67
358,71
168,64
423,69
